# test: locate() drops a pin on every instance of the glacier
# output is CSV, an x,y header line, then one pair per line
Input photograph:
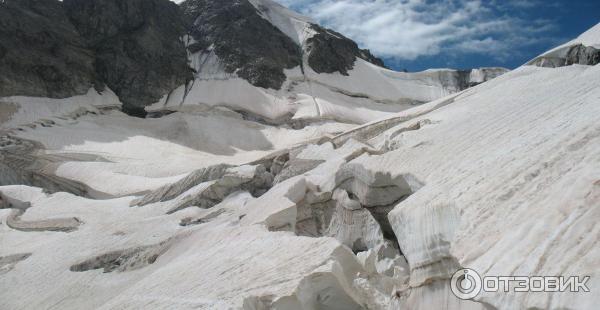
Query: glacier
x,y
359,191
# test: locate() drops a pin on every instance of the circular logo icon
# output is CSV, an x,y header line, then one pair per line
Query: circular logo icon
x,y
466,283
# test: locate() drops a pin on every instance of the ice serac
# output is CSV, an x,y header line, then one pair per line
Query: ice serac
x,y
138,47
41,52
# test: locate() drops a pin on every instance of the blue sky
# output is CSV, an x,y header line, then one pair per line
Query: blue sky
x,y
420,34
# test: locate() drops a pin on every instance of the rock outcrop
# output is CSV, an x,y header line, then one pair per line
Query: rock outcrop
x,y
578,54
61,49
139,50
41,52
250,46
157,53
245,43
329,51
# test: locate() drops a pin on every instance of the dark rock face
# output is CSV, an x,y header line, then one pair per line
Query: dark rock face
x,y
577,54
245,42
61,49
463,79
329,52
583,55
58,50
257,51
41,53
138,46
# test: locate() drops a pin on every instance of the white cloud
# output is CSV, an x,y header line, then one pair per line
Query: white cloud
x,y
407,29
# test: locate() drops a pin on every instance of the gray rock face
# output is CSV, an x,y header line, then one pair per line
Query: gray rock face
x,y
567,56
140,54
583,55
244,41
257,51
329,52
60,49
41,53
57,50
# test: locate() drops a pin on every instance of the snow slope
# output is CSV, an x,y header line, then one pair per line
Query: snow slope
x,y
138,155
367,94
20,110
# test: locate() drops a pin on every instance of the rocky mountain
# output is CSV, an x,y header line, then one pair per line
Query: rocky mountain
x,y
246,43
286,69
256,50
58,50
144,51
41,52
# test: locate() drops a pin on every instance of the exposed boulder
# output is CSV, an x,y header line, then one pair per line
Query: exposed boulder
x,y
41,53
138,46
245,43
